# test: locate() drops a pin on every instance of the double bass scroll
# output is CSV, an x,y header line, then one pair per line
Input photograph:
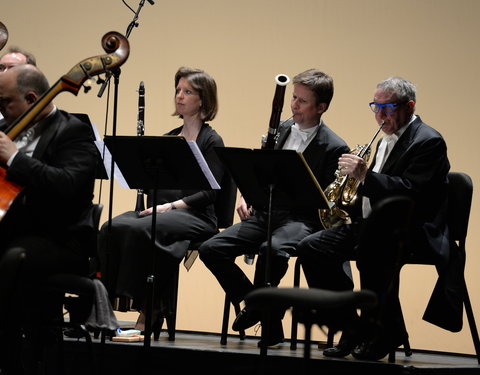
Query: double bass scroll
x,y
117,48
3,35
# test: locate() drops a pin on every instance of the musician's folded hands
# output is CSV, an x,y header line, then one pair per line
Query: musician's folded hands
x,y
165,207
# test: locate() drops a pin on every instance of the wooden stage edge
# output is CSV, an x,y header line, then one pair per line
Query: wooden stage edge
x,y
200,351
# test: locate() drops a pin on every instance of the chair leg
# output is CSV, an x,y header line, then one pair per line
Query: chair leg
x,y
172,318
308,340
294,328
226,317
471,321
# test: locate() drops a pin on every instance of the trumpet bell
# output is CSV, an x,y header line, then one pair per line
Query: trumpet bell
x,y
333,217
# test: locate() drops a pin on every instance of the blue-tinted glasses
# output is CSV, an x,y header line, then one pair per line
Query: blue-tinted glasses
x,y
386,107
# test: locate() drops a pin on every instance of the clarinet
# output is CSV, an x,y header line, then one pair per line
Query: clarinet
x,y
140,204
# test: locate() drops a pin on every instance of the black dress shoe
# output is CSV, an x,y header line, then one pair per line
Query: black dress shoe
x,y
272,341
275,336
245,319
342,349
376,348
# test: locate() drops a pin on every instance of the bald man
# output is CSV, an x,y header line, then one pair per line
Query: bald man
x,y
54,160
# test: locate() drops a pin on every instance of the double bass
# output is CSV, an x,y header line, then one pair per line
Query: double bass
x,y
117,50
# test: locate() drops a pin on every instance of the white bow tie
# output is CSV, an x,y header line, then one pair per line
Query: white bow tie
x,y
300,133
390,138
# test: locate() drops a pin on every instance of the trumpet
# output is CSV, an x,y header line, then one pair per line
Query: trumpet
x,y
342,192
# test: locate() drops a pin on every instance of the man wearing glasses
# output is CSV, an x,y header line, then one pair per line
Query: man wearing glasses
x,y
15,56
410,160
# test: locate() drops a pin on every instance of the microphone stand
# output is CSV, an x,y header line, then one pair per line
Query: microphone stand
x,y
116,74
130,27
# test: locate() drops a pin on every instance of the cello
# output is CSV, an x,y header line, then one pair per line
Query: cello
x,y
117,50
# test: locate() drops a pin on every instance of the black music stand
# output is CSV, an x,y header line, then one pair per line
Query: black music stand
x,y
273,178
100,171
163,162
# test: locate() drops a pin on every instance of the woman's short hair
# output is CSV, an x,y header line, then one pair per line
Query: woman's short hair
x,y
206,87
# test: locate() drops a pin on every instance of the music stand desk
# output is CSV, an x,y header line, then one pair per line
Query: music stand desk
x,y
159,162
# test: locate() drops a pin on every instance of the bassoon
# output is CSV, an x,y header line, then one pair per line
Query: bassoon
x,y
270,139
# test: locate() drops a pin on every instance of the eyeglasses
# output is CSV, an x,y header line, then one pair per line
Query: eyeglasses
x,y
386,107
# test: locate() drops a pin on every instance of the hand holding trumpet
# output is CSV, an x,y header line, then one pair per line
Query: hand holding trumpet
x,y
353,165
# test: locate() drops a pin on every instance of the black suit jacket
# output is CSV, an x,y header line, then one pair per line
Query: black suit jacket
x,y
417,167
58,183
321,154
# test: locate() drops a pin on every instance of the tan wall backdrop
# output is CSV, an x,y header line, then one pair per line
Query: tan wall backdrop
x,y
244,45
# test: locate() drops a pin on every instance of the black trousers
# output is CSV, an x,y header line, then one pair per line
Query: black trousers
x,y
249,237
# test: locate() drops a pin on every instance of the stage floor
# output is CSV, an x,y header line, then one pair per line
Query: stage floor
x,y
195,351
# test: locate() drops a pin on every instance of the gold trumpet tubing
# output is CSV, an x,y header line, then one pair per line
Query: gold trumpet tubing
x,y
349,192
342,192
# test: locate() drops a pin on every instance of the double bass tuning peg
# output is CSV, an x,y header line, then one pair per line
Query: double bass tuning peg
x,y
87,86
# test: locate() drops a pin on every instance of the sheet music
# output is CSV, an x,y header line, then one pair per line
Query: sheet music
x,y
107,159
203,164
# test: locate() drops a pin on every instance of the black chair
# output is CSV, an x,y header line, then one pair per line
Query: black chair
x,y
10,267
460,191
228,303
310,306
389,223
224,209
78,299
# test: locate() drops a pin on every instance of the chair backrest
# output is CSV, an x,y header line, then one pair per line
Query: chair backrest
x,y
460,191
97,214
225,201
10,267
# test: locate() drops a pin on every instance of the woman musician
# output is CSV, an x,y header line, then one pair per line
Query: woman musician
x,y
181,215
